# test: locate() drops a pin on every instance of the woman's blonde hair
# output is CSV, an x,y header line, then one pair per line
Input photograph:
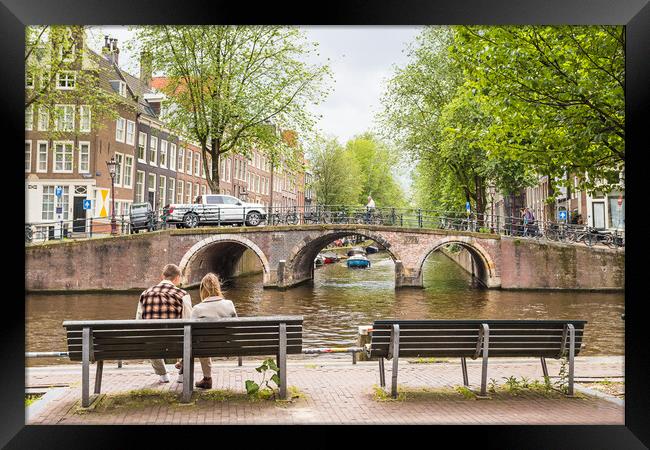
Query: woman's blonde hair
x,y
210,286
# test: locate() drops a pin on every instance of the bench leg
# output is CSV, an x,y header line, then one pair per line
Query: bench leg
x,y
239,361
486,344
463,365
188,366
85,367
98,376
572,348
544,367
395,353
382,374
282,361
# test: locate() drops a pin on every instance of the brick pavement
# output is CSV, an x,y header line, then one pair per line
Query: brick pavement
x,y
335,392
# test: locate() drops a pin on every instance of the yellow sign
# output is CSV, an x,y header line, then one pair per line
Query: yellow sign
x,y
102,212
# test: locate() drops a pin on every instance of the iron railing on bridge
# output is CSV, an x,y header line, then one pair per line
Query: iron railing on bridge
x,y
339,214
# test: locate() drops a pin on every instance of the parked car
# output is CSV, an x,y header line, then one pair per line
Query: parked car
x,y
215,209
142,217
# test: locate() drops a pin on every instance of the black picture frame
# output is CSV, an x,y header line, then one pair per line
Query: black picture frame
x,y
635,14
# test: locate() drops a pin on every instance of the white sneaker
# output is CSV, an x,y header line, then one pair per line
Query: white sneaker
x,y
180,378
164,378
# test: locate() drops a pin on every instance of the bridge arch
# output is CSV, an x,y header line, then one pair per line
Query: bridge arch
x,y
484,267
219,253
300,260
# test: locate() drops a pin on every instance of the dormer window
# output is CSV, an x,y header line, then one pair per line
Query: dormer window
x,y
119,86
66,80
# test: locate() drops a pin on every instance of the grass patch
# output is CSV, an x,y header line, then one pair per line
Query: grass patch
x,y
428,361
311,366
31,398
466,392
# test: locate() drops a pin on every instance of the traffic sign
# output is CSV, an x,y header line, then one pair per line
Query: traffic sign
x,y
58,191
561,215
59,209
87,204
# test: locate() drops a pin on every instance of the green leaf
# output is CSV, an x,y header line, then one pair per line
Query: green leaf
x,y
251,387
272,365
276,379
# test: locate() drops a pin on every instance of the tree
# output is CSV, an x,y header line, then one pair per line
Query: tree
x,y
336,174
556,95
229,86
376,164
55,51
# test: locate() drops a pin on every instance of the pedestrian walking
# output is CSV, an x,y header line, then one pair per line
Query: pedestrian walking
x,y
164,301
370,206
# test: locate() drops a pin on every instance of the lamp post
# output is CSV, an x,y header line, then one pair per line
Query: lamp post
x,y
112,164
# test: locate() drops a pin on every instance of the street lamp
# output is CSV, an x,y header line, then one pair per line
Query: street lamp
x,y
112,164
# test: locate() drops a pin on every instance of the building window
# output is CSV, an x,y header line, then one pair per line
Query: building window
x,y
130,132
142,147
153,150
172,190
151,188
41,157
29,80
197,168
616,212
181,159
203,189
28,156
162,185
43,119
188,192
196,189
139,187
64,117
163,153
119,159
84,119
172,156
122,88
66,79
63,157
120,125
179,192
47,209
84,157
29,118
128,171
189,161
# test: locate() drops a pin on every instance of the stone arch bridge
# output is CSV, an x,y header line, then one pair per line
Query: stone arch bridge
x,y
287,253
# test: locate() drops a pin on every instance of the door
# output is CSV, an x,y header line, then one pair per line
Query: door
x,y
78,215
151,198
598,214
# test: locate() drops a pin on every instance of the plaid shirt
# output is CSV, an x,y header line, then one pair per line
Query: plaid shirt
x,y
162,301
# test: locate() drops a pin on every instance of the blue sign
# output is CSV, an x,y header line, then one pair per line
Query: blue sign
x,y
59,209
58,191
561,215
87,204
467,206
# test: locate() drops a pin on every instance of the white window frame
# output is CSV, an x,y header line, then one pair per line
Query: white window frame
x,y
82,111
43,112
38,156
61,117
171,189
151,188
54,152
141,190
181,159
48,215
67,86
196,190
154,150
142,135
28,169
87,144
120,130
172,156
131,140
119,169
163,154
128,172
188,163
29,118
180,191
188,192
197,165
162,187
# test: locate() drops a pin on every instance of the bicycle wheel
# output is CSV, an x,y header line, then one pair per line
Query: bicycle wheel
x,y
291,219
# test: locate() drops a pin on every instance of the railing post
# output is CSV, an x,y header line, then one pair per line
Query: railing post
x,y
218,217
61,230
91,227
419,218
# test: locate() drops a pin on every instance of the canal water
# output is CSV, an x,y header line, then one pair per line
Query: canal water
x,y
341,299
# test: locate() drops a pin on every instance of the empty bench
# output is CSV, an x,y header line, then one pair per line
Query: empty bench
x,y
99,341
475,338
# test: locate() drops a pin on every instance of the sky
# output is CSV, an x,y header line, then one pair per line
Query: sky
x,y
361,59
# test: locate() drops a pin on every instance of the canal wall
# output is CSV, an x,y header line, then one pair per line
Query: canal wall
x,y
532,264
248,264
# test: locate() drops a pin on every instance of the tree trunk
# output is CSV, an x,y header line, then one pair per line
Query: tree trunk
x,y
550,206
213,177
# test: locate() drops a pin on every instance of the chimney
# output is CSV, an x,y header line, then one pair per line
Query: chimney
x,y
146,71
110,50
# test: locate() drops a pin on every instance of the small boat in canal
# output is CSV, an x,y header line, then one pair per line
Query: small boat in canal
x,y
358,261
319,261
330,258
356,251
371,249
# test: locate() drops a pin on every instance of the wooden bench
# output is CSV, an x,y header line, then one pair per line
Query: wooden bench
x,y
474,338
99,341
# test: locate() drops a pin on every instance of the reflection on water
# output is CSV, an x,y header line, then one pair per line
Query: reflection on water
x,y
340,299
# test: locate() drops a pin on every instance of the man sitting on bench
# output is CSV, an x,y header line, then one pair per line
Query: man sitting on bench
x,y
165,301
